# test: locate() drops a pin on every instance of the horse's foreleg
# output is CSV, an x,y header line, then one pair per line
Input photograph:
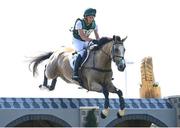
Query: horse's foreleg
x,y
106,95
113,89
105,112
103,89
122,103
121,99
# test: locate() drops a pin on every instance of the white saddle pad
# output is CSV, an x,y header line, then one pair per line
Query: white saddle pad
x,y
72,59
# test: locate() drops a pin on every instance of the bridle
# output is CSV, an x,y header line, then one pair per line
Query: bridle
x,y
112,56
113,51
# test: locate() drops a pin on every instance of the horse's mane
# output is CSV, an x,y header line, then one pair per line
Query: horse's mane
x,y
103,41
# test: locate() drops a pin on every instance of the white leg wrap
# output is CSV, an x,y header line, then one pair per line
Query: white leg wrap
x,y
105,112
121,112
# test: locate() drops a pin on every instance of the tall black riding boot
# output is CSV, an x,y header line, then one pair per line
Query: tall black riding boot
x,y
76,67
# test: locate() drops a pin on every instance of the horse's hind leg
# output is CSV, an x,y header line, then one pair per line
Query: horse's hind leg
x,y
45,81
53,84
51,87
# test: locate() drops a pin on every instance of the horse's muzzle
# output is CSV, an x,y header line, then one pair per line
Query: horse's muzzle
x,y
121,65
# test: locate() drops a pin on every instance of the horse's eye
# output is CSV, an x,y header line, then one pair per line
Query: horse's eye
x,y
116,49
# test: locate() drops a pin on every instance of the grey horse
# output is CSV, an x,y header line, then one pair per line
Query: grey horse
x,y
95,73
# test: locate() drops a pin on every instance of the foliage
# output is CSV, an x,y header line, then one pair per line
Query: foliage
x,y
156,84
91,120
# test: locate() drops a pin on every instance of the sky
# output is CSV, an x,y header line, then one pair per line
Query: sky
x,y
31,27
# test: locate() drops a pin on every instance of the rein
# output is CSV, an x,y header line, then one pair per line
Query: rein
x,y
100,69
109,56
106,54
114,56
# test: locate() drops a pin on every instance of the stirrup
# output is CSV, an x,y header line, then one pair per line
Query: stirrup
x,y
75,77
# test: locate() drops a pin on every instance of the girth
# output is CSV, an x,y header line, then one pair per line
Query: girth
x,y
99,69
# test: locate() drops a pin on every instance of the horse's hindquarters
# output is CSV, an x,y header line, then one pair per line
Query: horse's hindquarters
x,y
51,67
50,71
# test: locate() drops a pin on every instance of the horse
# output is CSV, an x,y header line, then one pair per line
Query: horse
x,y
95,72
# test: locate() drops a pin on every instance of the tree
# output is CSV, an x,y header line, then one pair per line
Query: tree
x,y
91,120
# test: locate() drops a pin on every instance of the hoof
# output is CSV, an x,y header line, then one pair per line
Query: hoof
x,y
120,113
76,78
43,87
103,116
51,88
104,113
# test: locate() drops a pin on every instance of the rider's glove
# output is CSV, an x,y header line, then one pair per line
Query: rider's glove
x,y
95,41
92,45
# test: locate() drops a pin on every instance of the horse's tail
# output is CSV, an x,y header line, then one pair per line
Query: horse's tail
x,y
37,60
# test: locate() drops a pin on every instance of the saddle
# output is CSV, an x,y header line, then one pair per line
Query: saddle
x,y
73,57
91,47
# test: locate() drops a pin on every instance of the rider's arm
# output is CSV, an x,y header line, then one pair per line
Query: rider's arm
x,y
81,33
96,34
83,36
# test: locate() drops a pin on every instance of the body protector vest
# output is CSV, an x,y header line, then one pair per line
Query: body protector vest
x,y
87,29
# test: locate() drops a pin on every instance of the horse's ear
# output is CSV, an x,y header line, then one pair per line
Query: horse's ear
x,y
114,37
118,38
124,39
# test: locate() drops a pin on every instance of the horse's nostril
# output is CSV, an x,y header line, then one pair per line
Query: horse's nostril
x,y
121,67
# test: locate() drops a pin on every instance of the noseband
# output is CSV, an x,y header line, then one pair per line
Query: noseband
x,y
113,51
113,56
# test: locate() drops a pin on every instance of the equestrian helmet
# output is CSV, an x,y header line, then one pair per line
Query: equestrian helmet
x,y
90,12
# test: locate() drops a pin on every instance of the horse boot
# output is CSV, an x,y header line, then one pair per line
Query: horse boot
x,y
76,67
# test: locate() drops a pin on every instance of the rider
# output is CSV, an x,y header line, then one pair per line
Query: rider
x,y
82,29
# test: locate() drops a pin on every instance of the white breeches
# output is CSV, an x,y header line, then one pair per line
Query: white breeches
x,y
79,46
